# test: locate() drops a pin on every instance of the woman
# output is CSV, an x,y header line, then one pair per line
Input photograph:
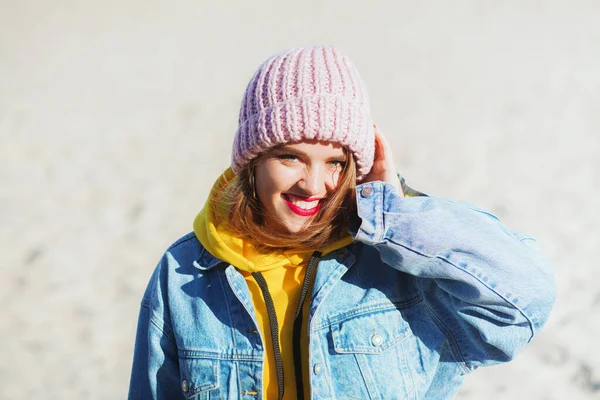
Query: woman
x,y
314,272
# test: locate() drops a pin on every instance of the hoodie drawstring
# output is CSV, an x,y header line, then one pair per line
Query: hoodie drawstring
x,y
310,271
297,328
262,284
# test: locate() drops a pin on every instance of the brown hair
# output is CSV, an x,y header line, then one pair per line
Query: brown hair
x,y
331,222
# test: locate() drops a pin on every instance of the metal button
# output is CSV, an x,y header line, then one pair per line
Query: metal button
x,y
185,386
341,255
317,369
366,191
376,340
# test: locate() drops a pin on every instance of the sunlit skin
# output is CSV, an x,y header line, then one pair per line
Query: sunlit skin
x,y
292,180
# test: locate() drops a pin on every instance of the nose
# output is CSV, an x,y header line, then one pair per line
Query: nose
x,y
313,181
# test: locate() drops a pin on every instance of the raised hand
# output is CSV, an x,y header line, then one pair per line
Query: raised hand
x,y
383,165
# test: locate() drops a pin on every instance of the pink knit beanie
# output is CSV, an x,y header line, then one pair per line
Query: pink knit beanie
x,y
312,93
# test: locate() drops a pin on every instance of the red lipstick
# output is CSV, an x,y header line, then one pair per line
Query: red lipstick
x,y
301,211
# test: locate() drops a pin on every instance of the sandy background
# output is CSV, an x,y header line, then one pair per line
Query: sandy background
x,y
116,116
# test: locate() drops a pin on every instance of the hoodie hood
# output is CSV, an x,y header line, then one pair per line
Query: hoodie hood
x,y
216,235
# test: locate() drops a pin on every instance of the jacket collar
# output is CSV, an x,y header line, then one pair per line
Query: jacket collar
x,y
206,260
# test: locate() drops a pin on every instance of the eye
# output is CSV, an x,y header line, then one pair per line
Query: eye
x,y
288,158
335,164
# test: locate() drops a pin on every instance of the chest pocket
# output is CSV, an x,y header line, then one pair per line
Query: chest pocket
x,y
371,354
198,376
372,333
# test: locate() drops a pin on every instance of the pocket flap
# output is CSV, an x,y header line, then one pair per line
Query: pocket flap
x,y
370,333
198,375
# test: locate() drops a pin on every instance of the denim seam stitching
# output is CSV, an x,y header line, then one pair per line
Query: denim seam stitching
x,y
326,373
444,259
528,318
375,307
324,291
154,320
454,347
211,354
228,309
380,213
235,289
409,375
366,379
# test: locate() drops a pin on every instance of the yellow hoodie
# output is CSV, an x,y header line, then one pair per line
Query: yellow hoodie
x,y
284,273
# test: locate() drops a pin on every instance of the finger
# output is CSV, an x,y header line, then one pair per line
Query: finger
x,y
379,150
383,149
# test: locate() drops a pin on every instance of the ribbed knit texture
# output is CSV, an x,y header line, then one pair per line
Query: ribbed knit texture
x,y
312,93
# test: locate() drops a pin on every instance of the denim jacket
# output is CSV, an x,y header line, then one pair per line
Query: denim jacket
x,y
430,290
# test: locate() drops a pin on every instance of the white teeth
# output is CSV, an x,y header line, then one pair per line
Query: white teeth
x,y
305,205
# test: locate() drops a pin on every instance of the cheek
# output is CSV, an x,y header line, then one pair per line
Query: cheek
x,y
333,180
264,190
271,180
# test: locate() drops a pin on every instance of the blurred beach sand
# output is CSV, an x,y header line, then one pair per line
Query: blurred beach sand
x,y
117,116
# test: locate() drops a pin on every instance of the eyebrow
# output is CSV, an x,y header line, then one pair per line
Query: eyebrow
x,y
291,150
284,149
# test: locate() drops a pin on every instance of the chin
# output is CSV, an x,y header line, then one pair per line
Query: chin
x,y
295,228
289,223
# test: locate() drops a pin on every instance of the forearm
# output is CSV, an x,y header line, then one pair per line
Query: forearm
x,y
476,275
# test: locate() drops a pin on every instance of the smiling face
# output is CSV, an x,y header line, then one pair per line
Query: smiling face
x,y
292,182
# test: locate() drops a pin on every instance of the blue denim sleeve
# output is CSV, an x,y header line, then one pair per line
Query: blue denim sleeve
x,y
489,289
155,371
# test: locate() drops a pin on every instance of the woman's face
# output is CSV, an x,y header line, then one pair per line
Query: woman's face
x,y
292,181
